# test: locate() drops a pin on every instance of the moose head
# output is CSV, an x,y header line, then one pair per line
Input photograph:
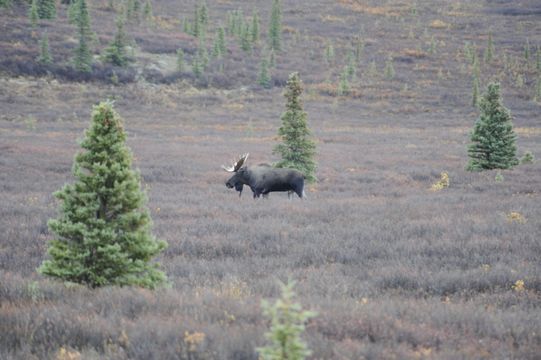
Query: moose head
x,y
236,180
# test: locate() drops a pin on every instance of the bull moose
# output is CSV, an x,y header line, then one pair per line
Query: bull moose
x,y
263,178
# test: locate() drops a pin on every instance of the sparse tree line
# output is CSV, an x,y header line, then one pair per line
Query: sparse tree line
x,y
244,31
517,69
239,29
116,53
216,41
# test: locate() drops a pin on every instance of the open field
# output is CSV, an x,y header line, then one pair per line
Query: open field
x,y
395,270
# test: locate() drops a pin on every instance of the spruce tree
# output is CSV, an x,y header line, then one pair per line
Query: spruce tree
x,y
298,149
287,325
136,13
343,84
180,60
329,54
197,67
115,53
239,21
255,28
46,9
527,50
103,232
359,49
475,91
538,59
33,14
351,68
83,58
230,22
493,139
148,14
275,28
272,59
44,53
245,39
537,95
204,15
389,68
264,78
196,27
73,9
221,40
5,3
216,53
187,26
489,51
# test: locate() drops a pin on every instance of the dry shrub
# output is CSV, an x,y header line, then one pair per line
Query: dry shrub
x,y
414,53
384,10
439,24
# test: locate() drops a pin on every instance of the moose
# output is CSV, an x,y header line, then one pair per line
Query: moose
x,y
263,178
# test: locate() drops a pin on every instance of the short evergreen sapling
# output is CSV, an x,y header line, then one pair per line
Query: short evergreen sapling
x,y
287,325
264,78
44,57
116,53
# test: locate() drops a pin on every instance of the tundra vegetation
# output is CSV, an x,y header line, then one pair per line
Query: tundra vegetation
x,y
398,260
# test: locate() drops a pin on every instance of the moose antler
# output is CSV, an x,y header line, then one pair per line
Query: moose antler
x,y
237,164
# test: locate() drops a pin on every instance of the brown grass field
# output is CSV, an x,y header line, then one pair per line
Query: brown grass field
x,y
394,269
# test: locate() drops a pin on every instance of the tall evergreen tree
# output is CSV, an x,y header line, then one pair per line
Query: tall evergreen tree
x,y
116,53
83,58
103,233
44,53
298,149
275,27
493,139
